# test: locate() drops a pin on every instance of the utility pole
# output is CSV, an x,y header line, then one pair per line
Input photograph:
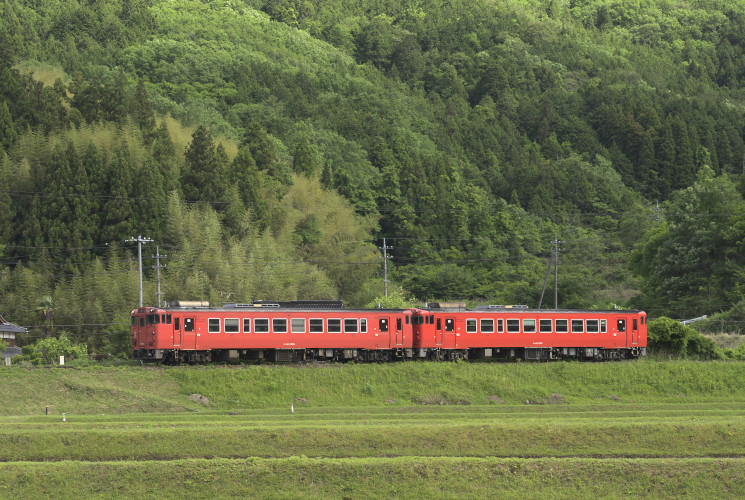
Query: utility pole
x,y
385,249
140,240
556,243
157,266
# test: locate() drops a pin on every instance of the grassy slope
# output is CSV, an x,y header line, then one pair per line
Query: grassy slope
x,y
411,430
137,390
300,477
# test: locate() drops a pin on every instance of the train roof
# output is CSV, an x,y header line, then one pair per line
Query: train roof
x,y
332,306
526,309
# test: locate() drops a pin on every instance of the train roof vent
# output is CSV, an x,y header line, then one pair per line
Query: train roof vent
x,y
502,307
255,304
188,303
291,304
446,305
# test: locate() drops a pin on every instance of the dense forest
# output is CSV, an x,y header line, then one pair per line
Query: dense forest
x,y
270,149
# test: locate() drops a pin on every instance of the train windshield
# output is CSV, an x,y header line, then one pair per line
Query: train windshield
x,y
153,319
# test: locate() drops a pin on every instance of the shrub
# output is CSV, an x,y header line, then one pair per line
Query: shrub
x,y
48,350
668,336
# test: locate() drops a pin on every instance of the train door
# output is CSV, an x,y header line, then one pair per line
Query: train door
x,y
177,332
635,331
438,332
384,327
188,334
399,331
622,330
449,339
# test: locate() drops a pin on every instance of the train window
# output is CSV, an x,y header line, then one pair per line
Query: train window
x,y
644,320
232,325
334,325
363,325
545,326
383,324
188,324
593,326
246,325
578,325
168,319
213,325
621,325
500,325
279,325
316,325
431,319
636,324
261,325
408,320
603,325
417,319
449,325
439,323
297,325
350,325
513,326
177,325
153,319
400,324
471,326
142,321
529,325
134,320
562,326
487,326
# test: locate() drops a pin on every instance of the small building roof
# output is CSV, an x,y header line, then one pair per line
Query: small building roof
x,y
10,327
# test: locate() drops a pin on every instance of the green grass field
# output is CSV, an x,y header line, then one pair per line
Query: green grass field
x,y
411,430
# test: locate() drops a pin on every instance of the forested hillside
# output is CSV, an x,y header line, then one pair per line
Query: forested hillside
x,y
268,147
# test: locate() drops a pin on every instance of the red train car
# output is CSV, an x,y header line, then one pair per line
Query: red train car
x,y
290,331
306,331
535,334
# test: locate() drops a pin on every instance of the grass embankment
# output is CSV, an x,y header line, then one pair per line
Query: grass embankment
x,y
300,477
138,390
646,429
708,430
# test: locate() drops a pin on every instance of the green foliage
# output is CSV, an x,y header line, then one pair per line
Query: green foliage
x,y
691,262
394,300
47,351
424,116
668,337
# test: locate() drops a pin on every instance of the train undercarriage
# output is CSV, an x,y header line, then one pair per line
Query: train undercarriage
x,y
177,357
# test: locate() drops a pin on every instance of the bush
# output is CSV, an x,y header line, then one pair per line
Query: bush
x,y
48,350
670,337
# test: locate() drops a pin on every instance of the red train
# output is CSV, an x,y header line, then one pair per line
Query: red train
x,y
305,331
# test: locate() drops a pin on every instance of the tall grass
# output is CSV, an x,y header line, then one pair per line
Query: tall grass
x,y
410,477
464,383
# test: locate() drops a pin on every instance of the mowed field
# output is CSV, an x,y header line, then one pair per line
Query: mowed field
x,y
410,430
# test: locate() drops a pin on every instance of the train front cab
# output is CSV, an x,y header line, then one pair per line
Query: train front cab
x,y
151,333
436,336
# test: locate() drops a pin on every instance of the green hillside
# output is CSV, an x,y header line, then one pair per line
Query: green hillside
x,y
268,148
